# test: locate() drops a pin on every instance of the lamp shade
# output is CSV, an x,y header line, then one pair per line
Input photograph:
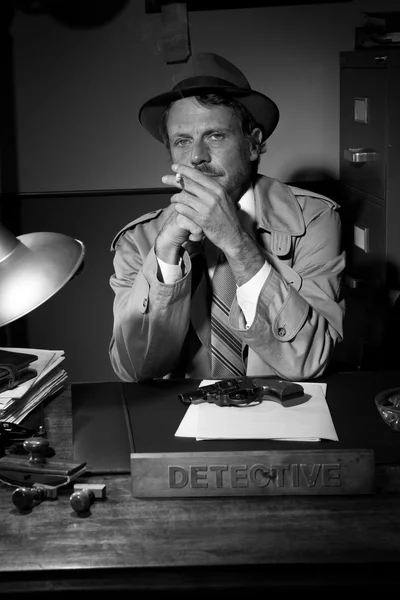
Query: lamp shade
x,y
33,267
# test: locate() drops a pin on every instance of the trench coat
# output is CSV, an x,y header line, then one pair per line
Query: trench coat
x,y
163,330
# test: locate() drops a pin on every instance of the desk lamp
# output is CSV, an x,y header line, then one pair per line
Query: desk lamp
x,y
33,267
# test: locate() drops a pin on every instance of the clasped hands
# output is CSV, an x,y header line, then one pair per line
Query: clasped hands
x,y
202,207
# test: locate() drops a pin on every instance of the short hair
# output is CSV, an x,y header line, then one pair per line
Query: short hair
x,y
245,118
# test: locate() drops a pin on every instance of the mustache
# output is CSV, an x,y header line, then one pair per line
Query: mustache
x,y
206,170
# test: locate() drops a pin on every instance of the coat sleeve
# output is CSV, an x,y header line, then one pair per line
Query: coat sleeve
x,y
299,315
151,318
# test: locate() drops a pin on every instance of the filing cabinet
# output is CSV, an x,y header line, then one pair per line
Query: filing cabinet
x,y
370,162
370,196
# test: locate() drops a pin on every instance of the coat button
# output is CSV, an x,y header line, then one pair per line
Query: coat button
x,y
281,332
144,302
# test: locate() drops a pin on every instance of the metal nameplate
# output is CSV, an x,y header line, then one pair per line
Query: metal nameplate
x,y
269,473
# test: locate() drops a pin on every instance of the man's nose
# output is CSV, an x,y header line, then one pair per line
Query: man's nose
x,y
199,153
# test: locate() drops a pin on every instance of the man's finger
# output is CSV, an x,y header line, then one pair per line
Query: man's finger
x,y
173,181
185,223
204,179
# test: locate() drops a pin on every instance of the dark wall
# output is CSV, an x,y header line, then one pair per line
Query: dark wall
x,y
79,91
78,319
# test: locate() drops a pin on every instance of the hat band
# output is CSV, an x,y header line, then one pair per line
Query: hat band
x,y
206,81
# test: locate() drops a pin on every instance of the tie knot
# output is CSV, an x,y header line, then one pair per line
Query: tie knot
x,y
223,283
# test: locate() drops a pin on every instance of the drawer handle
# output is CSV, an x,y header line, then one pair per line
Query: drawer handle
x,y
360,155
353,283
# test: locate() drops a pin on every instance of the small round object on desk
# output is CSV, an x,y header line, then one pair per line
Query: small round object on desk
x,y
25,498
81,500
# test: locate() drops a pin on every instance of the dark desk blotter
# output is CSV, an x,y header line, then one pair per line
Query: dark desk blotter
x,y
111,419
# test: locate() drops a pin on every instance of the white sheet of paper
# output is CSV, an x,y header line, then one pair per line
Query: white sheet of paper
x,y
310,421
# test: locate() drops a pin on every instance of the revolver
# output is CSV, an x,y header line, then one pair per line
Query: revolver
x,y
247,391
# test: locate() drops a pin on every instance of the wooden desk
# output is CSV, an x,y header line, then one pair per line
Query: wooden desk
x,y
194,545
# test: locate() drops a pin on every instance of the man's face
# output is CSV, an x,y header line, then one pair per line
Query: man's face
x,y
211,140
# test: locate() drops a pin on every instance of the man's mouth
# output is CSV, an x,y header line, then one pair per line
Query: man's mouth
x,y
210,173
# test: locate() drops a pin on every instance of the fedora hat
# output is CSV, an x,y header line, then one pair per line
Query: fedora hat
x,y
208,73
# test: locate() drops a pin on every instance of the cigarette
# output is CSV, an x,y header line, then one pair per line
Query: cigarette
x,y
178,178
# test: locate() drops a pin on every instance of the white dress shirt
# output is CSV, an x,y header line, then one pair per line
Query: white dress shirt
x,y
247,294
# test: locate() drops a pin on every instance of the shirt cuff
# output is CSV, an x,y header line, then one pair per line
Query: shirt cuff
x,y
170,273
247,294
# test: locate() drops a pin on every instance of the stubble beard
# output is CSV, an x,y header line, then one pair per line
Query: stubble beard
x,y
238,182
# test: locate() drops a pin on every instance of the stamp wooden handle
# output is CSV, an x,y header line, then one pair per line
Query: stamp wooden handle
x,y
25,498
81,500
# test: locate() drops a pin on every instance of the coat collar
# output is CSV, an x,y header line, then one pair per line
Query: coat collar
x,y
277,209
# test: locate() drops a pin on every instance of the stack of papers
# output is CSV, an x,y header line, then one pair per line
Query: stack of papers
x,y
17,403
308,422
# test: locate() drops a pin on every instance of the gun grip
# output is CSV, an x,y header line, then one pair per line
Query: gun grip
x,y
284,392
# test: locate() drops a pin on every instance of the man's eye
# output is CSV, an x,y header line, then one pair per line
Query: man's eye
x,y
217,137
181,143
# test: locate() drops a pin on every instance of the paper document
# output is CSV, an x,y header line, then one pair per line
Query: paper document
x,y
15,404
310,421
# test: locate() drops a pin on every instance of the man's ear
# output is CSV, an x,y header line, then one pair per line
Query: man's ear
x,y
255,143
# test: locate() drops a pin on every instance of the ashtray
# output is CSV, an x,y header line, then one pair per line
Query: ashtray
x,y
388,404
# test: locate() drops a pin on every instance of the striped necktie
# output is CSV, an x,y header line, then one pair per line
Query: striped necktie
x,y
226,348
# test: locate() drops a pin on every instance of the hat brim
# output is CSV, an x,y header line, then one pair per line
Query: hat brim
x,y
263,109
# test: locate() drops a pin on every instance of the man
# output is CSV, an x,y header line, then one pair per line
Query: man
x,y
282,245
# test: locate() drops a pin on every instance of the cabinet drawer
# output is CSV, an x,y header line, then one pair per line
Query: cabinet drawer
x,y
364,224
363,141
380,58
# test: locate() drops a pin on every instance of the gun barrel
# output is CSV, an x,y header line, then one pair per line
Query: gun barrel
x,y
190,397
